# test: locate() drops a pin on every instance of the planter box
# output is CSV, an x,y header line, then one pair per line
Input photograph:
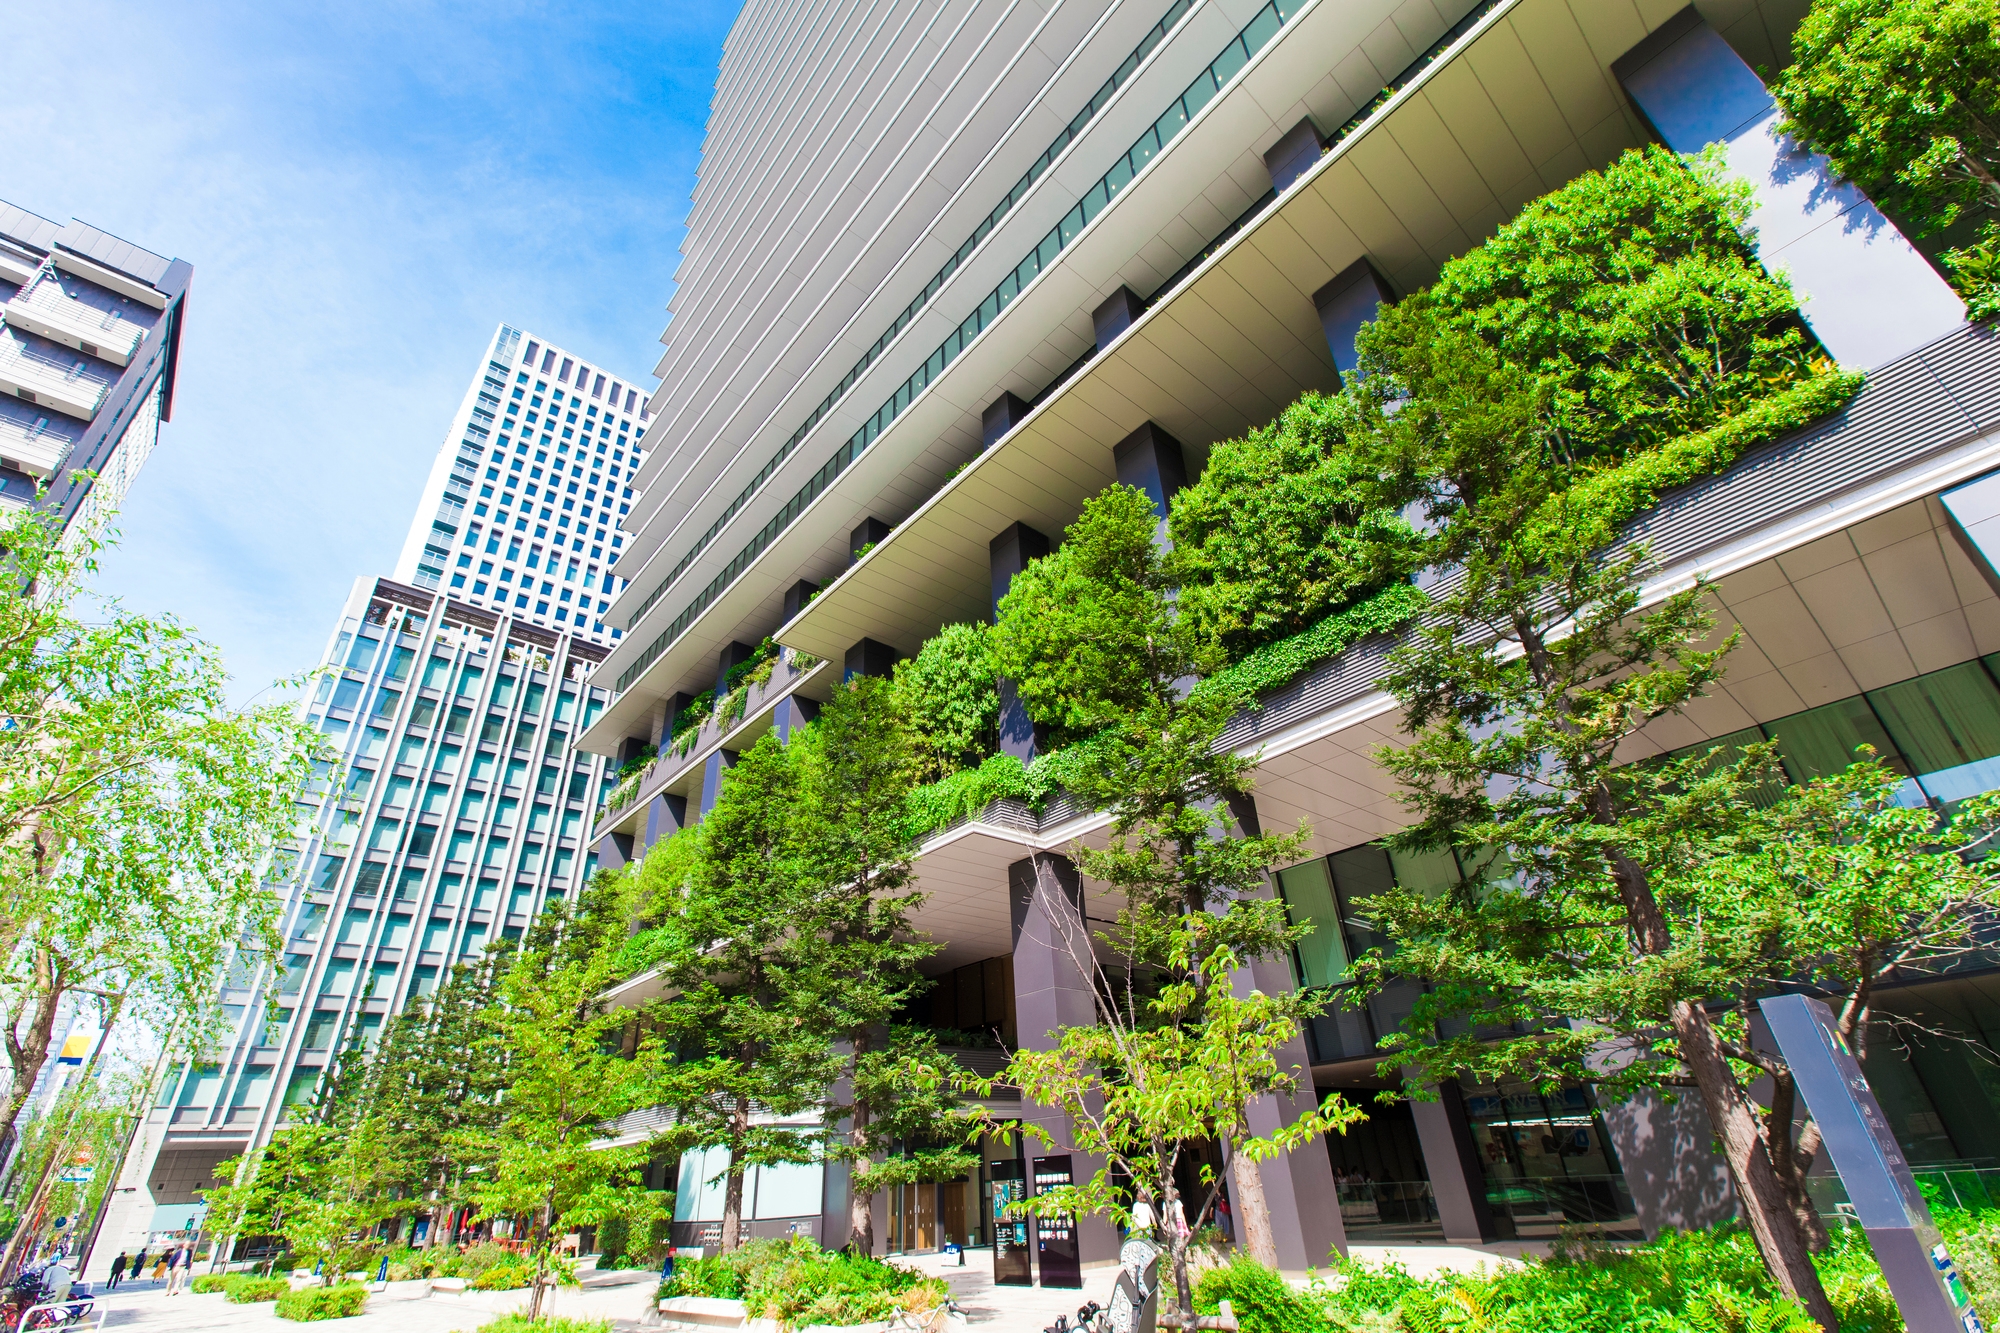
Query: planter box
x,y
448,1284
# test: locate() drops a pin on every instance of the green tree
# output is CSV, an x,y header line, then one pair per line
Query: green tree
x,y
949,693
1093,635
1163,1071
269,1186
137,806
855,766
1284,527
566,1082
1616,337
750,1056
1903,98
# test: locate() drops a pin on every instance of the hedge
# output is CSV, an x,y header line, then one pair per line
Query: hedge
x,y
342,1301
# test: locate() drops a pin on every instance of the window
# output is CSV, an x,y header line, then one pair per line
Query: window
x,y
545,785
397,792
347,693
435,797
531,702
422,713
468,680
504,812
524,737
400,660
422,838
540,818
457,720
493,728
373,742
517,773
457,850
327,873
384,836
411,751
364,653
358,780
445,761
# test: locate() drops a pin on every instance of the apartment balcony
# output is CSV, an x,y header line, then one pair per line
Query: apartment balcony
x,y
32,447
733,726
37,381
44,310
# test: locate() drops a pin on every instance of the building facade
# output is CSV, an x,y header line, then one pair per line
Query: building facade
x,y
459,804
88,357
1011,254
523,506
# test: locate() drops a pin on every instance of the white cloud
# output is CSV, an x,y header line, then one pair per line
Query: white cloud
x,y
363,196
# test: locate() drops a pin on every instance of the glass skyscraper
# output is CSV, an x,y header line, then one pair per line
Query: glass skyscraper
x,y
453,694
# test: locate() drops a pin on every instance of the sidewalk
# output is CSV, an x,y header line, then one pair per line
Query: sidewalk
x,y
144,1307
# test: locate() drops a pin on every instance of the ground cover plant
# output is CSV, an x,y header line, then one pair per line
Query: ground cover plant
x,y
514,1323
307,1304
249,1289
797,1283
1694,1282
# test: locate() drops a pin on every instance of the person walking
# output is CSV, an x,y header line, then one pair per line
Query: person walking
x,y
117,1270
179,1264
136,1270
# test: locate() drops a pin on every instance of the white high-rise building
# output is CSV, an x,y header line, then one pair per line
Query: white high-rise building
x,y
89,351
522,508
461,805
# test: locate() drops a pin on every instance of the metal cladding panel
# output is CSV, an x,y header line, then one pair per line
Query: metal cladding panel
x,y
30,229
108,250
1965,365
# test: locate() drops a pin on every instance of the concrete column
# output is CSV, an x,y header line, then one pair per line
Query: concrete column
x,y
1001,415
731,657
1292,156
1009,554
1458,1181
614,850
1298,1186
867,533
1352,299
1150,460
792,713
1864,289
664,714
1974,508
796,598
869,657
666,815
1666,1151
1045,895
1119,312
719,762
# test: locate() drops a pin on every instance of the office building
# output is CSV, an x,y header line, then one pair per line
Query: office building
x,y
88,357
931,303
460,804
1048,250
524,503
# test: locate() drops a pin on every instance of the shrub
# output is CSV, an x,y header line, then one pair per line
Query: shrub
x,y
504,1277
208,1282
1285,527
514,1323
948,692
342,1301
247,1290
797,1283
1900,96
612,1238
487,1254
1696,1282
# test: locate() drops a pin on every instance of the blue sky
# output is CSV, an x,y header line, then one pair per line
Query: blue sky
x,y
364,191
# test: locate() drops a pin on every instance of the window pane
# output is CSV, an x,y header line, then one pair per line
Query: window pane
x,y
1944,719
1821,741
1308,891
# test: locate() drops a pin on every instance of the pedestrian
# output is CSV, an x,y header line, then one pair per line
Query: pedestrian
x,y
118,1269
178,1265
1224,1222
667,1267
136,1269
1142,1216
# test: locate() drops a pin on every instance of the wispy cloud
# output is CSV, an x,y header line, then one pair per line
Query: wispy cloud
x,y
364,192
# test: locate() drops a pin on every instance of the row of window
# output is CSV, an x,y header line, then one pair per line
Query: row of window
x,y
1069,132
1253,37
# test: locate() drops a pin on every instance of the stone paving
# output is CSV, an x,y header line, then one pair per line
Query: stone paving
x,y
405,1307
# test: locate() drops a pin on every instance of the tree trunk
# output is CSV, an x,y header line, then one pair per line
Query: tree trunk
x,y
732,1191
860,1206
547,1225
1764,1199
1791,1165
1253,1211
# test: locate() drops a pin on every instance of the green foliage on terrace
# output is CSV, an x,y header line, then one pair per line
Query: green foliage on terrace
x,y
950,692
729,706
1622,326
1903,97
